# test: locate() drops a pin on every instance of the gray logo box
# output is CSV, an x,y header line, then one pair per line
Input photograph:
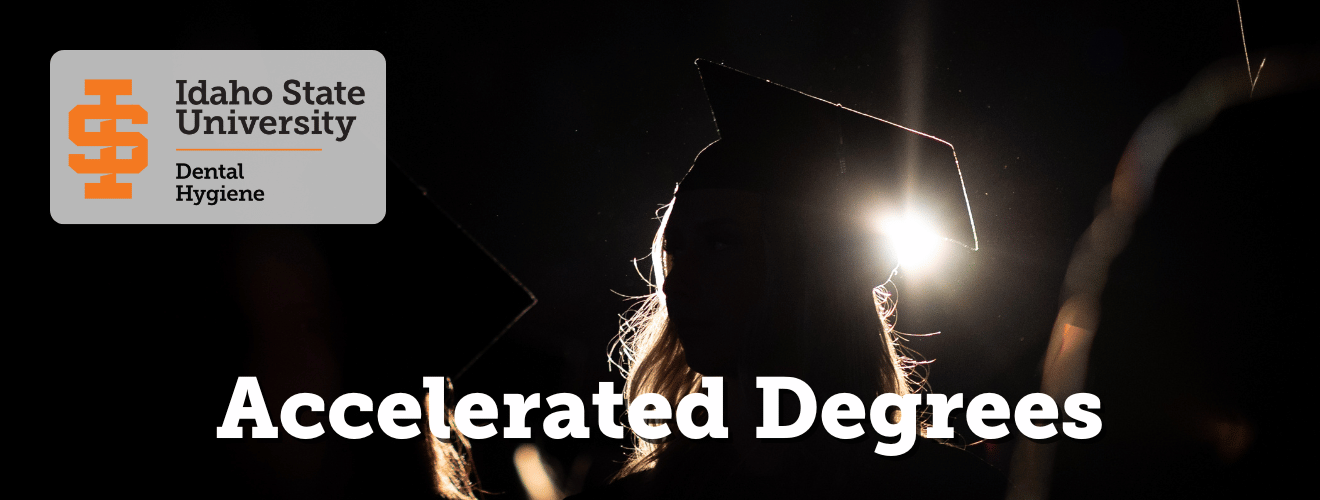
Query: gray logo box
x,y
342,183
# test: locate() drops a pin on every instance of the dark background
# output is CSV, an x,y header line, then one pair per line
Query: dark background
x,y
551,134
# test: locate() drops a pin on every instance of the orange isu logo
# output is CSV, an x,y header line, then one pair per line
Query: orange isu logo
x,y
108,164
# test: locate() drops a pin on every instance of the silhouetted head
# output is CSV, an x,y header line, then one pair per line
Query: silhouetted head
x,y
715,273
770,258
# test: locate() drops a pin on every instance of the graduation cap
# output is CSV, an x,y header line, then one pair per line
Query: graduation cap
x,y
794,148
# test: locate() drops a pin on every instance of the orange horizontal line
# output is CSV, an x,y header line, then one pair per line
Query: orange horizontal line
x,y
233,149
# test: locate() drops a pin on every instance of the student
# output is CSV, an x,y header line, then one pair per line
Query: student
x,y
767,264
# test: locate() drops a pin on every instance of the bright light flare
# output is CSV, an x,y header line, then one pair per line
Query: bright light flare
x,y
913,240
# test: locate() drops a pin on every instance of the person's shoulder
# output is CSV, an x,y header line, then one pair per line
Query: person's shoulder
x,y
934,469
953,472
627,487
948,454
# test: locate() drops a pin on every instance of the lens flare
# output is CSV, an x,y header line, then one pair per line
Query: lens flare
x,y
913,241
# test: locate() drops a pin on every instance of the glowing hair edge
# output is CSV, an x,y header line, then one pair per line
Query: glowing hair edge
x,y
652,360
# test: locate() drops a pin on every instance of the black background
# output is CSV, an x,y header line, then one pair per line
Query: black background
x,y
551,134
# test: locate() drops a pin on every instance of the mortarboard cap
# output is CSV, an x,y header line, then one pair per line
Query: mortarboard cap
x,y
795,148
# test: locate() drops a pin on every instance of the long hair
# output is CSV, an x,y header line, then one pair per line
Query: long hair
x,y
452,473
807,294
